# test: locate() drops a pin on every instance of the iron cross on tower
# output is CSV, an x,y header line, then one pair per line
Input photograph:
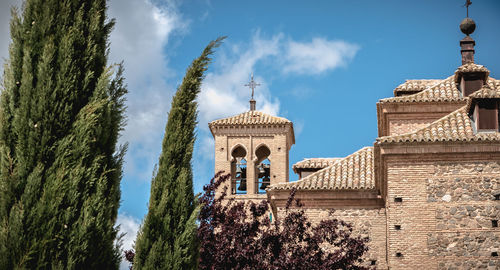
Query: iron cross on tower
x,y
252,84
467,4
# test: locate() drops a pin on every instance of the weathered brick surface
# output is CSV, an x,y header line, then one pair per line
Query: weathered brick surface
x,y
402,126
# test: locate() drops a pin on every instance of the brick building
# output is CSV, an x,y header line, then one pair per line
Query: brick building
x,y
427,193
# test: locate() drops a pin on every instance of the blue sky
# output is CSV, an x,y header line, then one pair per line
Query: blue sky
x,y
322,65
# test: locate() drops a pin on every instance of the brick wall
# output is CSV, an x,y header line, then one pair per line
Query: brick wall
x,y
445,216
402,126
366,222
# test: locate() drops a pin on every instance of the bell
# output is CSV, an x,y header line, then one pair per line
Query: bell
x,y
243,185
265,183
238,169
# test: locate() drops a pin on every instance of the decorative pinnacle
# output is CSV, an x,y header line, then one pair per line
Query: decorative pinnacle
x,y
467,26
252,84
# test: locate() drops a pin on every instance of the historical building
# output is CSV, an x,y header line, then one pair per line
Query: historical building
x,y
427,193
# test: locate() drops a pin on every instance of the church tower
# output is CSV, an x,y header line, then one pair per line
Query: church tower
x,y
253,146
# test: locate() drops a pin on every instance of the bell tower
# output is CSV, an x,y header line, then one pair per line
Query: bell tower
x,y
254,147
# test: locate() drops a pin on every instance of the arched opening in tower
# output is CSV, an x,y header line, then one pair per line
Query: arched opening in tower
x,y
262,169
239,171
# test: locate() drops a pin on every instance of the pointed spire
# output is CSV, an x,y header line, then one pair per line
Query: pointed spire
x,y
252,84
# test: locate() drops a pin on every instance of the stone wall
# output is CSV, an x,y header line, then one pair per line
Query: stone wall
x,y
445,218
463,244
469,264
474,216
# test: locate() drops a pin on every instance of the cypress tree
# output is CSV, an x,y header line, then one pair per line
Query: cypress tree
x,y
167,238
61,111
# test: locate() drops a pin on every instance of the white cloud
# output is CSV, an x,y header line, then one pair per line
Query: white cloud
x,y
223,92
128,225
142,31
318,56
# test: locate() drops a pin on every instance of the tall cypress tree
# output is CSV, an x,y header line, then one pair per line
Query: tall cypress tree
x,y
61,111
167,238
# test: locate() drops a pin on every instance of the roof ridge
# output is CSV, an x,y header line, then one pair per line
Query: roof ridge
x,y
444,90
314,163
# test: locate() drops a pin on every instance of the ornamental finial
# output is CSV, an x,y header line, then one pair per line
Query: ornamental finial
x,y
252,84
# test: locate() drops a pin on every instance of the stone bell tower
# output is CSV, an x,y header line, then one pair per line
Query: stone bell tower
x,y
253,146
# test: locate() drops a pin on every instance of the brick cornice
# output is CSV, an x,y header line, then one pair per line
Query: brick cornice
x,y
338,199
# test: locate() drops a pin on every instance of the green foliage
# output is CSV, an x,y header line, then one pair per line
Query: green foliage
x,y
167,238
61,111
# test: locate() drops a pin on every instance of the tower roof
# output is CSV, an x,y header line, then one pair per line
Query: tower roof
x,y
250,118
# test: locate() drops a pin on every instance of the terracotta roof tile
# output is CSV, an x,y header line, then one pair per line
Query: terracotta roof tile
x,y
444,90
456,126
314,163
250,118
414,85
471,67
352,172
486,92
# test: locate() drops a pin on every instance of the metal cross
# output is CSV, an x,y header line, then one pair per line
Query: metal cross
x,y
467,4
252,84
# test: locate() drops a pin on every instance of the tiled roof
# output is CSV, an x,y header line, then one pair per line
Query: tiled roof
x,y
414,85
471,67
444,90
456,126
486,92
314,163
352,172
250,118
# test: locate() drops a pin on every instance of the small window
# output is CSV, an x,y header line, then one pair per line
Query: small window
x,y
497,197
398,199
494,254
399,254
373,262
397,227
494,223
487,115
